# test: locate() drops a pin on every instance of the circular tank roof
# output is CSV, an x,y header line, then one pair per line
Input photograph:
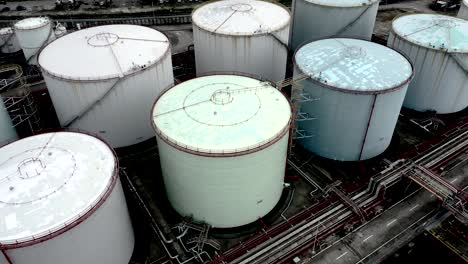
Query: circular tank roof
x,y
353,65
241,17
433,31
103,52
221,114
6,31
31,23
48,181
343,3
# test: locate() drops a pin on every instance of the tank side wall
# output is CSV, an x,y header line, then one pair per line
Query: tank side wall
x,y
122,118
224,192
336,112
261,55
106,237
312,22
382,124
7,131
32,40
440,84
463,12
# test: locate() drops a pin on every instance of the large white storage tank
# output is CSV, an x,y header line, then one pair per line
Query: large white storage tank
x,y
438,48
33,34
61,201
7,131
463,12
359,87
8,41
242,36
223,142
319,19
105,79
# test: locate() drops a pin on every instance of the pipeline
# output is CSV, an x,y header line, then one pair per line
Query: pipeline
x,y
156,229
8,259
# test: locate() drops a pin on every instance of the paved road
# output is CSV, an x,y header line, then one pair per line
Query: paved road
x,y
380,237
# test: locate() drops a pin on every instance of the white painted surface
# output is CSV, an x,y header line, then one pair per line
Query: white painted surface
x,y
352,64
433,31
438,49
342,3
76,170
33,34
463,12
318,19
8,41
243,36
60,31
7,131
226,191
137,66
368,116
221,113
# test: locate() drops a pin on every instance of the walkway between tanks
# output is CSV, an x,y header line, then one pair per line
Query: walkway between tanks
x,y
378,238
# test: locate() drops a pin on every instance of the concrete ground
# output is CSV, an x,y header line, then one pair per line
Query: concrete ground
x,y
372,242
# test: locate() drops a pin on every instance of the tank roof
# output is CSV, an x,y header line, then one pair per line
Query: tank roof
x,y
241,17
103,52
222,114
50,180
6,31
353,65
433,31
32,23
343,3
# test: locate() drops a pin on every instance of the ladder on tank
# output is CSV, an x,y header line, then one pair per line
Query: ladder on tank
x,y
14,80
22,108
298,97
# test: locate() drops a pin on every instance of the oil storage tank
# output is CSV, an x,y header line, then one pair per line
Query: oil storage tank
x,y
222,143
7,131
351,98
438,48
8,41
319,19
62,202
463,12
241,36
105,79
33,34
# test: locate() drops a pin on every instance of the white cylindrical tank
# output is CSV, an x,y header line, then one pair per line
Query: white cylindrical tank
x,y
354,90
463,12
7,131
33,34
105,79
61,201
438,48
242,36
319,19
8,41
60,30
222,143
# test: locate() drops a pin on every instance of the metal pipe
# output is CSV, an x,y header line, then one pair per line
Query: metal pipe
x,y
368,124
8,259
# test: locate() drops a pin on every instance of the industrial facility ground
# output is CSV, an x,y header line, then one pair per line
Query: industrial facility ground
x,y
412,216
411,212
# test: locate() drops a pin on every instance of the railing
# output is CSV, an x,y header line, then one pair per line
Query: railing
x,y
142,21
